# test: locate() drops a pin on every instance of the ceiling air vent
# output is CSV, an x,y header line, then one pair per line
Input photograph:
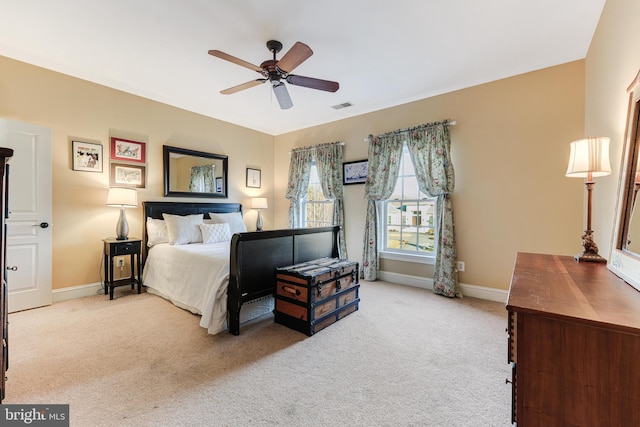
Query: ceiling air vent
x,y
341,106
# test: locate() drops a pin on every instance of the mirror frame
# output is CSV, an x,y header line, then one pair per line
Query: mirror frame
x,y
622,262
166,154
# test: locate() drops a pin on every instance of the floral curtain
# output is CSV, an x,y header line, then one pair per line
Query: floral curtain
x,y
203,179
385,153
329,163
430,150
299,168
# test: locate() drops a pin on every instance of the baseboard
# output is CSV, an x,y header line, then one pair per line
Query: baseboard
x,y
73,292
482,292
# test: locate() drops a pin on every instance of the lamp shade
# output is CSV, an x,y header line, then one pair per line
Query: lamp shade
x,y
259,203
589,156
122,197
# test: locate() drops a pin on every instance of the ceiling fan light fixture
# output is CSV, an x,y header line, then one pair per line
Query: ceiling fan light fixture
x,y
282,95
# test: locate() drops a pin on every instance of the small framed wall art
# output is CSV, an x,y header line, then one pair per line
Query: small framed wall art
x,y
253,178
355,172
87,156
128,151
127,175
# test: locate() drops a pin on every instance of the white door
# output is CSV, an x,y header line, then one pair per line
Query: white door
x,y
29,236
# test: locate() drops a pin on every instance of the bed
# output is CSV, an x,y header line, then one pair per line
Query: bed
x,y
238,271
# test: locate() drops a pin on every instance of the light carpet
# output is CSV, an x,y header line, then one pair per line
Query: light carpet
x,y
407,358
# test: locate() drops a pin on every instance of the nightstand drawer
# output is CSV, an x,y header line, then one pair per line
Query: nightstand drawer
x,y
126,248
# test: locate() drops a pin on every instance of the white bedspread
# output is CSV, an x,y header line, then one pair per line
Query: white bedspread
x,y
194,277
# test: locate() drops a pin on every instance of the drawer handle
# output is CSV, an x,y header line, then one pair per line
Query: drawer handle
x,y
14,268
291,290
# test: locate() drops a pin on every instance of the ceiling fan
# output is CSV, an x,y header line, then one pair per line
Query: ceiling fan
x,y
277,72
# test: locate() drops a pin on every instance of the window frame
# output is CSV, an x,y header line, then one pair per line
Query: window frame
x,y
304,202
382,209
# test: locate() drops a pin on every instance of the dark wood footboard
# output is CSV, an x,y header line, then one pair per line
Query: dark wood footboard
x,y
255,256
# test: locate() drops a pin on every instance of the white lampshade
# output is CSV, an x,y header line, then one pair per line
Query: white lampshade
x,y
589,156
259,203
122,197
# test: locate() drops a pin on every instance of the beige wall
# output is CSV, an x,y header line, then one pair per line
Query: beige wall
x,y
510,151
74,108
611,64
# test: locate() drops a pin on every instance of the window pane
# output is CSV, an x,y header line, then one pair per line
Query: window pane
x,y
409,222
407,164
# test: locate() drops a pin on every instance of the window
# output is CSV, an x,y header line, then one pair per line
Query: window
x,y
407,218
316,208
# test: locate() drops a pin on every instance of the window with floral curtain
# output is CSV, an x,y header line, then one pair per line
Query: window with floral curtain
x,y
429,146
328,161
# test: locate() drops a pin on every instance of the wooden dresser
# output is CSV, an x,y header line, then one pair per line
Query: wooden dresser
x,y
5,155
574,344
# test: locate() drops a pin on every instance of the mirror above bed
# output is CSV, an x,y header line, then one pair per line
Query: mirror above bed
x,y
190,173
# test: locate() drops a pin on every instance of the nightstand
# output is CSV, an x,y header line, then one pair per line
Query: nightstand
x,y
114,248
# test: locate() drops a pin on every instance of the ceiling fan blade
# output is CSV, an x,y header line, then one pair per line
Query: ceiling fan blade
x,y
312,83
227,57
243,86
282,94
294,57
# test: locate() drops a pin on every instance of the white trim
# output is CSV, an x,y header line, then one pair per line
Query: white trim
x,y
407,257
74,292
474,291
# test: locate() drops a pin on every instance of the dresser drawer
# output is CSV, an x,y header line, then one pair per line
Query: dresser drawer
x,y
126,248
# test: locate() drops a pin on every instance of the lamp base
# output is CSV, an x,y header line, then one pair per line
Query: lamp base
x,y
590,253
122,227
589,257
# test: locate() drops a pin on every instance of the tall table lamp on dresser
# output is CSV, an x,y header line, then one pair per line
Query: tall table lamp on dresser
x,y
122,198
589,159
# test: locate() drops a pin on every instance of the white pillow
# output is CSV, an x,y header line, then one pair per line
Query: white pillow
x,y
234,219
183,229
156,232
214,233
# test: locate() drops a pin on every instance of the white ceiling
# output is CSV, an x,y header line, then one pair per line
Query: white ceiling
x,y
383,53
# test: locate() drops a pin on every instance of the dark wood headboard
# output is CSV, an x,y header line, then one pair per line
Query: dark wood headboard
x,y
156,209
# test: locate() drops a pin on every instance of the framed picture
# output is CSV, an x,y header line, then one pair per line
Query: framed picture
x,y
127,175
355,172
87,156
218,185
127,150
253,178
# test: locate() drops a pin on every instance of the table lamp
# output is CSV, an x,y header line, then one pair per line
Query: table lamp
x,y
589,159
259,203
122,198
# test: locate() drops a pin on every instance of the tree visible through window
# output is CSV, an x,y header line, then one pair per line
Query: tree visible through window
x,y
317,209
408,225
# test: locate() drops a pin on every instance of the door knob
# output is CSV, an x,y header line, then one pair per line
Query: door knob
x,y
44,224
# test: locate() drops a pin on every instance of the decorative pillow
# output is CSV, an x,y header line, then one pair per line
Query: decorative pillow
x,y
156,232
183,229
234,219
214,233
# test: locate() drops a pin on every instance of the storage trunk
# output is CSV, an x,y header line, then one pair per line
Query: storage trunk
x,y
313,295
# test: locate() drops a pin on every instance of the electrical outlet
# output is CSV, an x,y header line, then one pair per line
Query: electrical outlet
x,y
120,262
460,265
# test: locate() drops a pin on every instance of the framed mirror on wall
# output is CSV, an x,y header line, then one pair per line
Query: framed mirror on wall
x,y
190,173
624,259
